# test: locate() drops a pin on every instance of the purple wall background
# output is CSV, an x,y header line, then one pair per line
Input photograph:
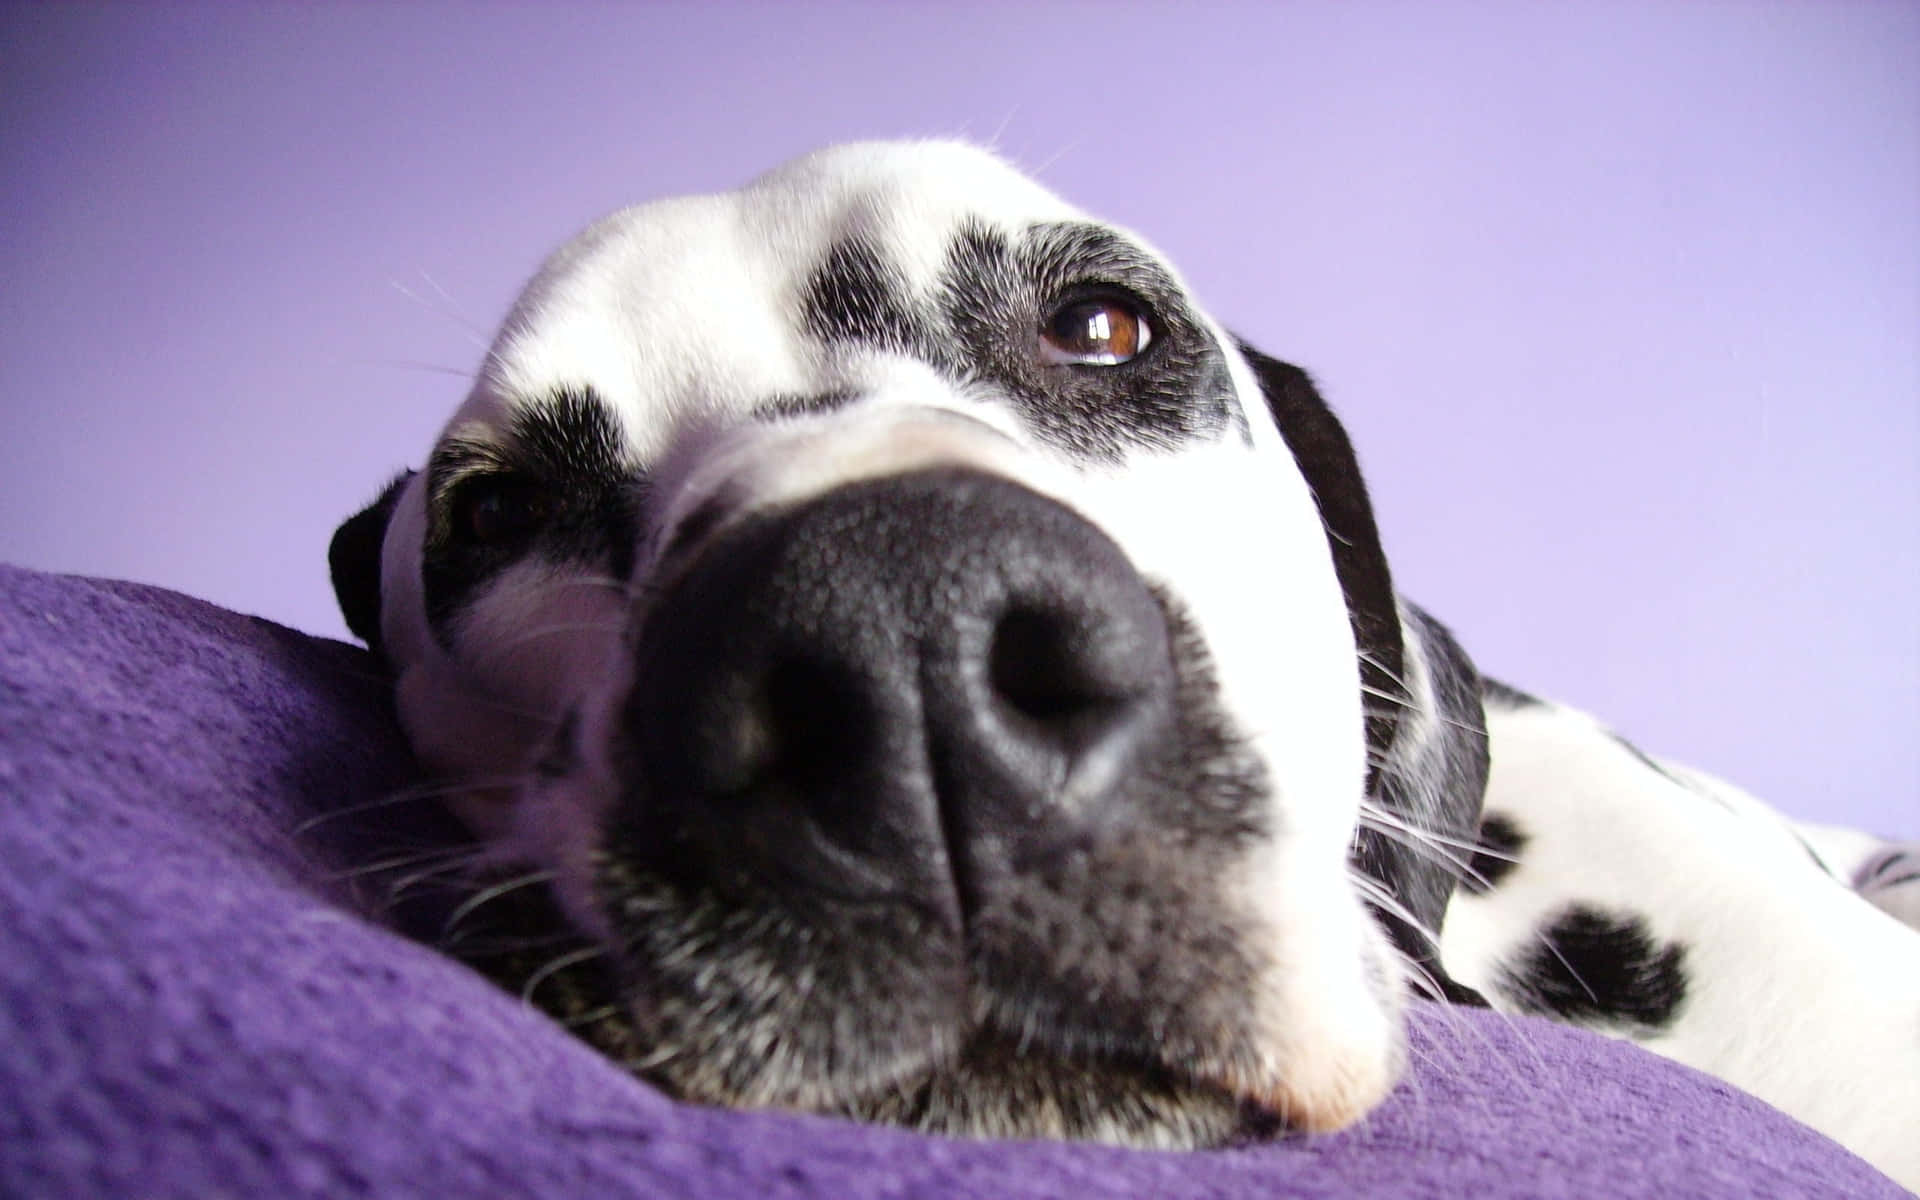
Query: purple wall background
x,y
1621,303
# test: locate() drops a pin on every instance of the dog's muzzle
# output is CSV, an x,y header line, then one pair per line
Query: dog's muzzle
x,y
922,810
909,690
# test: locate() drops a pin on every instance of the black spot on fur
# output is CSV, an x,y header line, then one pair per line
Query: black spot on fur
x,y
789,404
1501,842
852,297
1602,968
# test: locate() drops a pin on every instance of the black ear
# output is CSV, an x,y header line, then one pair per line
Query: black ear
x,y
353,557
1325,455
1426,734
1430,793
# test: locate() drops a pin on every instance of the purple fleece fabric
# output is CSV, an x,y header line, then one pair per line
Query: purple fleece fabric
x,y
198,996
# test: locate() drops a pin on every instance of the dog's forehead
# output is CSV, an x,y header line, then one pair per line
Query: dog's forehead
x,y
907,198
691,307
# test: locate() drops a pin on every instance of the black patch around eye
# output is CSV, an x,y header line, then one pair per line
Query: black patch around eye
x,y
495,509
997,293
984,323
559,485
1594,966
1501,842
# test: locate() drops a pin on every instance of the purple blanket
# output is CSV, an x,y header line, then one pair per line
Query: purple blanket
x,y
200,995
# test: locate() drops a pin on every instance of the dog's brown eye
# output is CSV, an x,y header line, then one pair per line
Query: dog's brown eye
x,y
497,509
1100,331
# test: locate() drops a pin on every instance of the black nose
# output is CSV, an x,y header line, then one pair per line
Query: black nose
x,y
905,688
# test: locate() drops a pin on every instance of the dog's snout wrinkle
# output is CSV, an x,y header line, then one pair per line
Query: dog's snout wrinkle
x,y
925,680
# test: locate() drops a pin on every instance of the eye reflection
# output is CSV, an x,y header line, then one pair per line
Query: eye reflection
x,y
1100,331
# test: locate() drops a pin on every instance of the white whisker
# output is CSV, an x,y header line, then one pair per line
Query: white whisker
x,y
1428,845
1377,894
441,858
473,331
405,364
1372,814
419,792
572,958
487,895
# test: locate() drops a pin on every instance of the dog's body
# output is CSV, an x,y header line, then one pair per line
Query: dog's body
x,y
1652,902
823,584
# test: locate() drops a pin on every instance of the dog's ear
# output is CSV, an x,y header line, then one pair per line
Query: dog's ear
x,y
1325,455
353,558
1426,734
1429,793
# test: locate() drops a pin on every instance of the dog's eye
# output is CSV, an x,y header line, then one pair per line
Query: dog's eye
x,y
1101,331
497,508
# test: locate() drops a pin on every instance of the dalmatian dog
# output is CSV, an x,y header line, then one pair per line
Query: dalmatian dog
x,y
938,675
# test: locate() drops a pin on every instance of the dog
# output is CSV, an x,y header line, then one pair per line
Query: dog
x,y
944,677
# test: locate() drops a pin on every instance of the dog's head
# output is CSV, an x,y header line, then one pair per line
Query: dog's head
x,y
929,654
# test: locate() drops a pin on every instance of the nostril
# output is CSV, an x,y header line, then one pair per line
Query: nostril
x,y
1046,666
791,724
817,721
1072,690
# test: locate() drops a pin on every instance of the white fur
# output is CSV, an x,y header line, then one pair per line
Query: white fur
x,y
1798,991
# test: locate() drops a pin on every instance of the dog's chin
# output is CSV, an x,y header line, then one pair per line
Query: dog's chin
x,y
994,1084
999,1088
958,1076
